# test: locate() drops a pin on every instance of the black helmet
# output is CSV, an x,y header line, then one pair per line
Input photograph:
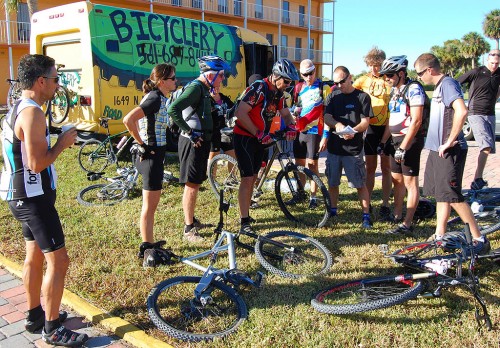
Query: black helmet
x,y
425,210
393,64
215,63
285,68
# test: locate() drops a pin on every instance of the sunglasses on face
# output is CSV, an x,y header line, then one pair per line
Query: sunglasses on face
x,y
495,54
389,75
287,82
420,74
55,78
309,73
341,81
170,78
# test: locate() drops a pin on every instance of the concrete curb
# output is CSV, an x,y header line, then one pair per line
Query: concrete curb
x,y
119,327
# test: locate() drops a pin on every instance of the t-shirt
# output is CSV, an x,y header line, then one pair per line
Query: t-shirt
x,y
483,90
441,117
17,181
153,126
379,92
348,109
261,117
399,122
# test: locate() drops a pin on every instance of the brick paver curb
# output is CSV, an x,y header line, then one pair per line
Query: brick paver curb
x,y
119,327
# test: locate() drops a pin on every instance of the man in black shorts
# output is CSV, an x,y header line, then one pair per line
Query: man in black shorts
x,y
28,183
191,111
447,150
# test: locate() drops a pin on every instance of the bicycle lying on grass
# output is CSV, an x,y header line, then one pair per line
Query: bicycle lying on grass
x,y
204,307
289,185
94,155
118,187
432,260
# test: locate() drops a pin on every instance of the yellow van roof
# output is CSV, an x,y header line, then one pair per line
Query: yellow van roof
x,y
248,35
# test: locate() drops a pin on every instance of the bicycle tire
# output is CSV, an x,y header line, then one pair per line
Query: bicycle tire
x,y
301,256
102,194
223,174
13,94
488,222
59,105
299,211
93,156
488,197
186,319
365,295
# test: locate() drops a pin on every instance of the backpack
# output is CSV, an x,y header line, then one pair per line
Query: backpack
x,y
427,107
186,114
231,113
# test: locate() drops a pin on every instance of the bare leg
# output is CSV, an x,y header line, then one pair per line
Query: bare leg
x,y
364,199
33,273
371,167
399,194
443,210
150,200
53,282
189,201
245,194
334,195
385,167
464,211
313,166
481,162
411,183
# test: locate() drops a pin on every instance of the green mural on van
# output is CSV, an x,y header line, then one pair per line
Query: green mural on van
x,y
128,44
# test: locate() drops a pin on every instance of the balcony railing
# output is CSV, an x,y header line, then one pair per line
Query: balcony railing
x,y
298,54
254,11
19,32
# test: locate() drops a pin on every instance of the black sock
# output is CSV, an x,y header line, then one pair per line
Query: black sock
x,y
50,326
245,220
188,228
35,313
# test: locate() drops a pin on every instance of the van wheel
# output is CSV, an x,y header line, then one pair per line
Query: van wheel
x,y
467,131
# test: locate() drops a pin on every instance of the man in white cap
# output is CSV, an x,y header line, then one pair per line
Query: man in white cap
x,y
308,99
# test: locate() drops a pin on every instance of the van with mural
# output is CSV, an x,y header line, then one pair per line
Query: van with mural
x,y
104,53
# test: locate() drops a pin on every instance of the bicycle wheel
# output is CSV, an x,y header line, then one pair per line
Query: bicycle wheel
x,y
174,309
294,199
102,194
488,221
223,174
366,295
93,156
489,198
59,106
292,255
13,94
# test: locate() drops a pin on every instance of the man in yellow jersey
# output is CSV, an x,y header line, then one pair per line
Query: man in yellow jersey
x,y
379,91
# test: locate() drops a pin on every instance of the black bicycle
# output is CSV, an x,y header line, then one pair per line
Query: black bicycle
x,y
439,265
200,308
291,184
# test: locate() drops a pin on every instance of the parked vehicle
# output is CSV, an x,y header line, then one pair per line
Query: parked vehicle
x,y
468,131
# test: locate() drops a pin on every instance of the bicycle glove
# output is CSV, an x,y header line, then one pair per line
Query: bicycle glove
x,y
195,137
263,138
399,155
291,132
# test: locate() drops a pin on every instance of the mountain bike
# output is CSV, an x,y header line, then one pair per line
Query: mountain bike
x,y
487,198
434,265
14,92
200,308
64,98
290,184
94,155
118,187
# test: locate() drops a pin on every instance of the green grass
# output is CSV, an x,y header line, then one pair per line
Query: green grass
x,y
103,243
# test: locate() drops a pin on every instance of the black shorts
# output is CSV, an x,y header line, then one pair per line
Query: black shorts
x,y
151,169
40,221
443,176
372,140
249,153
411,163
306,146
218,144
193,161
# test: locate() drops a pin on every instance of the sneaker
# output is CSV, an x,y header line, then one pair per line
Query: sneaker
x,y
295,200
384,214
146,245
478,184
37,324
481,248
246,228
64,337
401,229
254,204
367,224
193,236
313,203
157,257
197,223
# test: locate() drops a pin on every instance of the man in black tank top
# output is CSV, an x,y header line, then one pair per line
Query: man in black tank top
x,y
28,184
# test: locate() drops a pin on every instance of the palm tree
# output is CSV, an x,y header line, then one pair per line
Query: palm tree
x,y
12,6
473,45
491,26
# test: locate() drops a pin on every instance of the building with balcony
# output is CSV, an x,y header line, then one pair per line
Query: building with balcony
x,y
297,29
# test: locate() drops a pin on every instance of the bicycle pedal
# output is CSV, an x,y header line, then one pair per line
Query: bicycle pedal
x,y
260,280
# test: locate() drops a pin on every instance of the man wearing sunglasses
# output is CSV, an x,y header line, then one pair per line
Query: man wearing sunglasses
x,y
308,99
447,150
483,84
258,105
347,106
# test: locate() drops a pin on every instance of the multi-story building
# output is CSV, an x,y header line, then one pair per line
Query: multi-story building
x,y
296,28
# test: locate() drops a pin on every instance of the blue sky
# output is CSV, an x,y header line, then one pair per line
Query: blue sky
x,y
401,27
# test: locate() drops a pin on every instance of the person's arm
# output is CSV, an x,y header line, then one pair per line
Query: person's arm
x,y
244,120
30,128
131,123
362,125
459,117
287,116
191,96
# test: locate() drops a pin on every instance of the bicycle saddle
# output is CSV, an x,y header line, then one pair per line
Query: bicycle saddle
x,y
91,176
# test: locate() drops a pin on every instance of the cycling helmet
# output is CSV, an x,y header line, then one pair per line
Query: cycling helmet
x,y
455,240
285,68
212,63
425,209
393,64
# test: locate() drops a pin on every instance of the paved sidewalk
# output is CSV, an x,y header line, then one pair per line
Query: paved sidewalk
x,y
13,312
